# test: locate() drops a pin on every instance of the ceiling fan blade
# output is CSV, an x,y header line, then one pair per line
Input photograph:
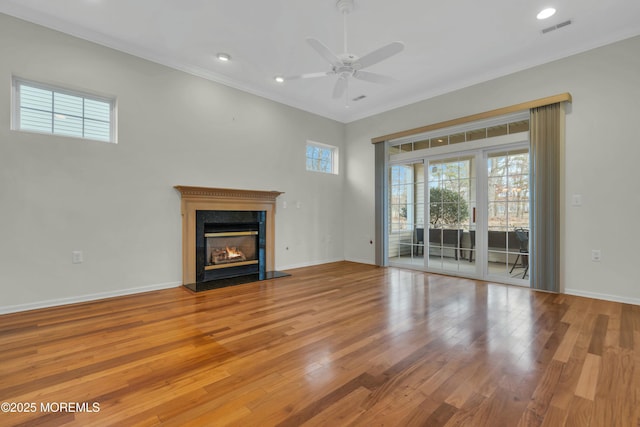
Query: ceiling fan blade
x,y
340,87
309,75
374,77
324,52
380,54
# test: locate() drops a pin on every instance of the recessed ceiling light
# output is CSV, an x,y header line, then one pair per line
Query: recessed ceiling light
x,y
279,79
224,57
546,13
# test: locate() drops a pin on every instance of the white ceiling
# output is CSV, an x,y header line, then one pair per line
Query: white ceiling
x,y
449,44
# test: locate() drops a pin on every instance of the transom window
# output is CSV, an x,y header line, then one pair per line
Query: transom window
x,y
46,109
322,158
439,140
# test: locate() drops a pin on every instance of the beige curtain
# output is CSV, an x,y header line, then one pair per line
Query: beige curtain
x,y
547,133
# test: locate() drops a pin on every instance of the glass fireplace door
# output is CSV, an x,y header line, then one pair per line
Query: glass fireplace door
x,y
231,249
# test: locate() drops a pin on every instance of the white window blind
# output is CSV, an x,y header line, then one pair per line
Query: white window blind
x,y
46,109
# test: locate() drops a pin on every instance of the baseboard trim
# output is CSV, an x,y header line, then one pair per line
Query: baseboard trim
x,y
606,297
308,264
85,298
361,261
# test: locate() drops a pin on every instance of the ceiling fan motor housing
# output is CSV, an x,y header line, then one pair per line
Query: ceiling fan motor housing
x,y
345,6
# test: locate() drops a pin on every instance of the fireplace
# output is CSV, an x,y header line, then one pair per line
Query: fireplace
x,y
228,237
229,243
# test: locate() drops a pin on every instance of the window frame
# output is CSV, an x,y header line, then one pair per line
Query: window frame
x,y
333,160
16,107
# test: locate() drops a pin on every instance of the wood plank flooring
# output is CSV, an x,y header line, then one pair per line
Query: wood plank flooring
x,y
340,344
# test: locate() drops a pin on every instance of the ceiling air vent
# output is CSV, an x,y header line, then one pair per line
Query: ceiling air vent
x,y
556,27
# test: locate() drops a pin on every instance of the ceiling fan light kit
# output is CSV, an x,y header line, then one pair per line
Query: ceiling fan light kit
x,y
346,64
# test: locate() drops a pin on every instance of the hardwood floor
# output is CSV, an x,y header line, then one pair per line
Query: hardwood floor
x,y
332,345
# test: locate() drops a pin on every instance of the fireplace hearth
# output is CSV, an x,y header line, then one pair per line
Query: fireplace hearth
x,y
227,236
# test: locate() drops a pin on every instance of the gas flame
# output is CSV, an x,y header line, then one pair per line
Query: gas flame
x,y
233,253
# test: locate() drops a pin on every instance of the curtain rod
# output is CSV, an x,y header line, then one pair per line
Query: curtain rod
x,y
479,116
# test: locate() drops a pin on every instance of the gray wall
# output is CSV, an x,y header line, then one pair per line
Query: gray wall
x,y
601,159
116,202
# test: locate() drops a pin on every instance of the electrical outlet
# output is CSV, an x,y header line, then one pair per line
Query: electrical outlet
x,y
77,257
596,255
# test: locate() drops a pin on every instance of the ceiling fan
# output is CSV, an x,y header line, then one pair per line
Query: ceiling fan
x,y
346,64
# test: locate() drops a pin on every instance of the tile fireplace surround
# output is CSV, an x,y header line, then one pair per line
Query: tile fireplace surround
x,y
222,199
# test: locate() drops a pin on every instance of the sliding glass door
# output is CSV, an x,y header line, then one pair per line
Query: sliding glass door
x,y
508,214
451,208
465,214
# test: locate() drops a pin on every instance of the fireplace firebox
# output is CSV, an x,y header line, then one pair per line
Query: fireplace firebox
x,y
229,244
230,249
